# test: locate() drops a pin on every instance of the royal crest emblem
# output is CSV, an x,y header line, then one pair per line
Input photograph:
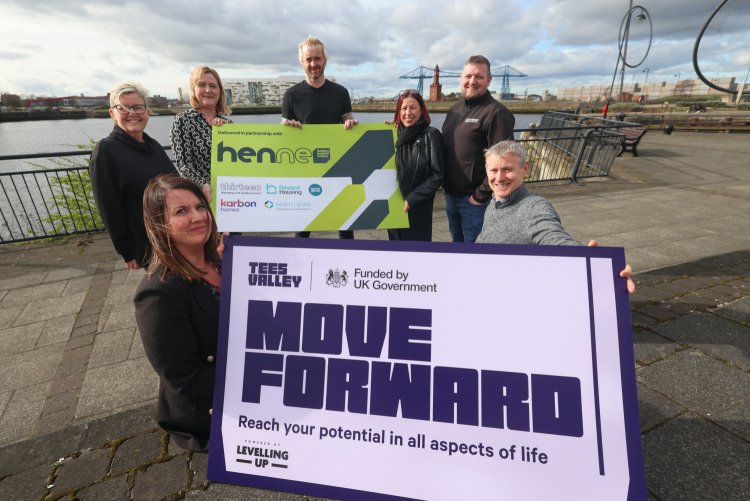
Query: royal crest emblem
x,y
337,278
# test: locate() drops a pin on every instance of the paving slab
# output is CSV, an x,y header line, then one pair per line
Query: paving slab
x,y
111,347
29,368
81,270
4,399
16,340
704,385
116,387
84,470
26,486
25,280
721,338
46,309
136,452
26,295
226,492
161,480
650,347
198,468
21,412
119,426
738,310
80,284
112,488
121,316
691,458
655,409
57,331
8,315
40,450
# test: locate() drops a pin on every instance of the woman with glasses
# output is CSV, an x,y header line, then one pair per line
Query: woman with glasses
x,y
419,165
191,129
121,166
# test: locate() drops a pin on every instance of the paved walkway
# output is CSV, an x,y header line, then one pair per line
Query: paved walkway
x,y
77,394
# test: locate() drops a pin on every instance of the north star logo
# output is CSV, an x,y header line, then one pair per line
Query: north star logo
x,y
337,278
269,204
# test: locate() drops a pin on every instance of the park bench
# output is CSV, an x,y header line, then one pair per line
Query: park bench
x,y
631,140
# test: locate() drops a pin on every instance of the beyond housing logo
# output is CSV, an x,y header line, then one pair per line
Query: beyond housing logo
x,y
283,189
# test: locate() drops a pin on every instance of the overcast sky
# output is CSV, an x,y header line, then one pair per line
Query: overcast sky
x,y
66,47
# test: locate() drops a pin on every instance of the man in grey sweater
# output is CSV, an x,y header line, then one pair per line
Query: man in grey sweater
x,y
517,216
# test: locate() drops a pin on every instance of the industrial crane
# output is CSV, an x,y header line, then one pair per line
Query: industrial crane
x,y
505,72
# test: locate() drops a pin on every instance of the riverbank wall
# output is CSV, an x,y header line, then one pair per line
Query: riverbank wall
x,y
720,119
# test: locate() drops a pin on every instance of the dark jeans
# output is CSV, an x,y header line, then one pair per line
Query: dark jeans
x,y
343,234
464,219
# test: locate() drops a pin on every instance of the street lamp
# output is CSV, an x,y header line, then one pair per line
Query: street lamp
x,y
644,92
677,85
744,86
639,15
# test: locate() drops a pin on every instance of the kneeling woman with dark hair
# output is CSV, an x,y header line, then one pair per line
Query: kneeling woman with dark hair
x,y
177,306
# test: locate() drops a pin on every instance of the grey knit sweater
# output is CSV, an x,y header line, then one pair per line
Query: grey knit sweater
x,y
523,218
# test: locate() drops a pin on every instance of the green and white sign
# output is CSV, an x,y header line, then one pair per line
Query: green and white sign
x,y
318,178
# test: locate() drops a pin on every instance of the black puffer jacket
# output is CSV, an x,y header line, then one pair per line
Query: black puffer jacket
x,y
422,172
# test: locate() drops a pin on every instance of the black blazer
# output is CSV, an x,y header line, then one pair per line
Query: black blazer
x,y
179,323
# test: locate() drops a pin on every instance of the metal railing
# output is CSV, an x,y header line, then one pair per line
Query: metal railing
x,y
46,203
55,202
571,146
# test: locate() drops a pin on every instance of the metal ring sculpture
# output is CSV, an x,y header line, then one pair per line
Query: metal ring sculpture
x,y
625,25
695,52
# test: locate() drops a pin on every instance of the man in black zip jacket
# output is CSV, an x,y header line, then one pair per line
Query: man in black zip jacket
x,y
472,125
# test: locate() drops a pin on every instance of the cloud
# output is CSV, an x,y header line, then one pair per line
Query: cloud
x,y
86,47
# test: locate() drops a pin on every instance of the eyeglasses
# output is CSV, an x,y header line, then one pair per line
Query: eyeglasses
x,y
409,92
123,109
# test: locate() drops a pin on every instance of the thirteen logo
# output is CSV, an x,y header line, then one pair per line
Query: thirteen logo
x,y
315,189
337,278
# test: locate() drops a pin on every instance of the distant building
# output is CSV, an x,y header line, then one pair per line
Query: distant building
x,y
75,102
436,88
258,91
157,101
651,91
10,100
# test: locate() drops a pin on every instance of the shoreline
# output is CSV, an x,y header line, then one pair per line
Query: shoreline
x,y
650,116
677,109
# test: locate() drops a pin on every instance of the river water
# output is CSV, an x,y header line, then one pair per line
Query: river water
x,y
45,136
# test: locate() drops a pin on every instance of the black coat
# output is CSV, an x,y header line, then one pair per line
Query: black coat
x,y
419,168
179,323
421,174
121,167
